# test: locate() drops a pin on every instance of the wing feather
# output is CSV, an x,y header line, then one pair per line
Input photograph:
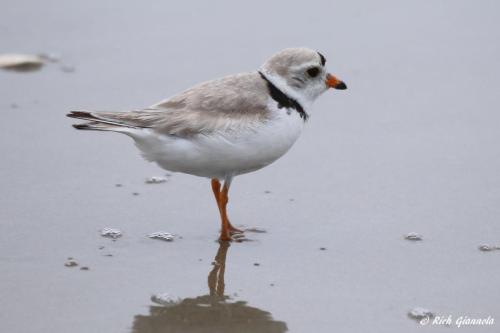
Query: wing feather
x,y
217,105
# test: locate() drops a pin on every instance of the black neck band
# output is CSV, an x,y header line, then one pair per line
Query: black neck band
x,y
283,100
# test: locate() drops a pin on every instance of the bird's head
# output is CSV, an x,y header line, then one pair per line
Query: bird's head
x,y
301,74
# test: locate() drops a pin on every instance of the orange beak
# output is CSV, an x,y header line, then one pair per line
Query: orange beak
x,y
332,82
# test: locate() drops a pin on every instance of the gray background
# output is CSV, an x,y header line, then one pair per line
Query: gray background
x,y
411,146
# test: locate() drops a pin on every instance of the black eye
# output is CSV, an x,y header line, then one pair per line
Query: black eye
x,y
313,72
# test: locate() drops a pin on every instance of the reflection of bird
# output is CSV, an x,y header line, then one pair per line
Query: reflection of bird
x,y
226,127
209,313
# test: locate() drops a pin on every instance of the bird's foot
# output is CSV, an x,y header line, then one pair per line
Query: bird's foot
x,y
234,230
233,236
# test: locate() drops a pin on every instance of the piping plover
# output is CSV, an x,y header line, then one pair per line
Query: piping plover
x,y
228,126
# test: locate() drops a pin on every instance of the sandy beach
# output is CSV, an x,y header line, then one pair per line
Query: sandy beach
x,y
411,146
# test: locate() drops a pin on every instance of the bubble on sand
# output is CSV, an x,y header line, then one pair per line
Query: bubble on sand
x,y
487,248
419,313
71,263
111,233
84,268
162,235
155,180
165,299
413,236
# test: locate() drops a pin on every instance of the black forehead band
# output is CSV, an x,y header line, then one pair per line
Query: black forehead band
x,y
323,60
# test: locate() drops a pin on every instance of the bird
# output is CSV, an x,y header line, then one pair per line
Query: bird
x,y
228,126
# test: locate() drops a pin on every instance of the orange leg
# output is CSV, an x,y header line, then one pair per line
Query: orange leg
x,y
222,198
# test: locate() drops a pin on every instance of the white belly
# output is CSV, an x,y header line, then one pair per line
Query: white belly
x,y
224,153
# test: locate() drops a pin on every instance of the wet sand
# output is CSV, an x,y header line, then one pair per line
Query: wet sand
x,y
412,146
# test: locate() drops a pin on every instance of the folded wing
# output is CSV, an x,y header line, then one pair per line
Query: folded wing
x,y
218,105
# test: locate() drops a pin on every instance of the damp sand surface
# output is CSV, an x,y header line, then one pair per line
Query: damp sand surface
x,y
410,147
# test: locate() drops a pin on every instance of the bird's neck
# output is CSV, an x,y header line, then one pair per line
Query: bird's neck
x,y
281,84
283,100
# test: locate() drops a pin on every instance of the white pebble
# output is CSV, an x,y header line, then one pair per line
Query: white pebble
x,y
413,236
70,263
487,248
420,313
165,236
165,299
111,233
20,61
156,180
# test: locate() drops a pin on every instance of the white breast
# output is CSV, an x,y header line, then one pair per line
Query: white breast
x,y
227,152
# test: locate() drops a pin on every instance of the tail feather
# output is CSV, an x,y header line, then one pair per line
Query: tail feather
x,y
95,126
95,123
81,115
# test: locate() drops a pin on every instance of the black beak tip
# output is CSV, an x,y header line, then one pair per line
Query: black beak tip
x,y
341,86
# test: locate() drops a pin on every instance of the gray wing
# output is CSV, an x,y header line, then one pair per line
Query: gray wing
x,y
215,105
